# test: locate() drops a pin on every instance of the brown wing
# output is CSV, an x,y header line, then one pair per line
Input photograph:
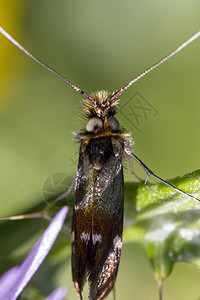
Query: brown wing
x,y
98,218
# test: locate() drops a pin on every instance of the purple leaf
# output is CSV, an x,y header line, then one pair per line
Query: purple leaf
x,y
14,281
57,294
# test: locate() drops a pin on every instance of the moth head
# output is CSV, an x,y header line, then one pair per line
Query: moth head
x,y
96,124
101,112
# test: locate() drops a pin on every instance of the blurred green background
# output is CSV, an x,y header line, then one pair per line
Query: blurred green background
x,y
98,45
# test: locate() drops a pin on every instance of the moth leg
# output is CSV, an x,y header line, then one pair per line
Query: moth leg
x,y
151,173
160,286
67,192
133,172
64,195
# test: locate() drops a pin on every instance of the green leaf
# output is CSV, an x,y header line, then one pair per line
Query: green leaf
x,y
165,222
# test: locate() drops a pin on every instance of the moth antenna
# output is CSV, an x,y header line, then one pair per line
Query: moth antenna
x,y
190,40
151,173
12,40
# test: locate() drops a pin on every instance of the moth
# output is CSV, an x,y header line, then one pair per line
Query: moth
x,y
97,222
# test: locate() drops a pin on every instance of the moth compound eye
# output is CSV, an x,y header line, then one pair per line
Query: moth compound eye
x,y
94,124
113,123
